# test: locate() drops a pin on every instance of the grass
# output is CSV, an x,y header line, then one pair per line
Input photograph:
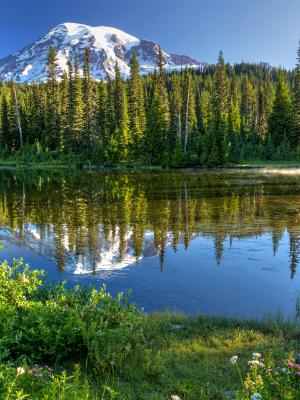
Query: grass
x,y
189,357
193,361
122,353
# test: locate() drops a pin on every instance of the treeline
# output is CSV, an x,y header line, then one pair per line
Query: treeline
x,y
212,116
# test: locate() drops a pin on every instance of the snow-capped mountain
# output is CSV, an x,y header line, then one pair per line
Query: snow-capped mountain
x,y
107,46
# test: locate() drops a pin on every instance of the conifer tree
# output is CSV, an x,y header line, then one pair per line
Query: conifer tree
x,y
13,131
121,114
280,121
234,120
76,109
175,136
64,110
52,117
159,118
136,106
5,125
248,107
295,135
88,100
102,123
216,142
189,112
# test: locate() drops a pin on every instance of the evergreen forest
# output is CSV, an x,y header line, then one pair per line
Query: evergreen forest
x,y
212,116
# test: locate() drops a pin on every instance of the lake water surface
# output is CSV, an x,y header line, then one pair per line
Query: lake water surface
x,y
225,243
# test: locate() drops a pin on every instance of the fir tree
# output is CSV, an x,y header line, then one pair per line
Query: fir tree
x,y
175,136
52,118
217,138
121,134
159,119
280,122
88,100
102,121
76,109
136,106
295,135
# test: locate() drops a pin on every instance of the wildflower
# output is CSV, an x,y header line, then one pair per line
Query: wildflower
x,y
256,396
291,365
256,356
174,397
234,359
251,363
38,375
20,371
268,371
283,370
297,373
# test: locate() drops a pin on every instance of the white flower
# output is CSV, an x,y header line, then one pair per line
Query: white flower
x,y
234,359
20,371
256,396
174,397
256,356
283,370
253,362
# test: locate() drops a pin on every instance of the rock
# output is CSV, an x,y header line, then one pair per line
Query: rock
x,y
229,394
177,326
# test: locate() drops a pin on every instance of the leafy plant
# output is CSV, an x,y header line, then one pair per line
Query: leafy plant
x,y
266,379
56,324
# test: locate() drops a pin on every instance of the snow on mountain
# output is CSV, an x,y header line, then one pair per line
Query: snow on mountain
x,y
107,46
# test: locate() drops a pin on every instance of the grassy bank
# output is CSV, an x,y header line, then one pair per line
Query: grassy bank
x,y
72,161
122,353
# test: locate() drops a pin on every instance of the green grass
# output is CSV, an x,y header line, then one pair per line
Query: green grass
x,y
191,361
122,352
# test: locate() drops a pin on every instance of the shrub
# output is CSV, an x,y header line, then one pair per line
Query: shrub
x,y
56,324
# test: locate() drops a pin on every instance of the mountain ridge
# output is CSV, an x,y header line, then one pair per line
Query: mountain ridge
x,y
107,45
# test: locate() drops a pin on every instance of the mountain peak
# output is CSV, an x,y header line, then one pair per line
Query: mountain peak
x,y
107,45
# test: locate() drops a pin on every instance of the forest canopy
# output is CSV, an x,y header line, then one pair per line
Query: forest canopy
x,y
212,116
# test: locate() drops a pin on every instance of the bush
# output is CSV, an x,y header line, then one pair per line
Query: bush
x,y
56,324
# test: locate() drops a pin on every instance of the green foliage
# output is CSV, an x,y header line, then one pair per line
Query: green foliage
x,y
125,354
280,121
42,382
269,379
211,116
57,324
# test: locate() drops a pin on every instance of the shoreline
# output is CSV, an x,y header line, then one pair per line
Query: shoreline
x,y
131,167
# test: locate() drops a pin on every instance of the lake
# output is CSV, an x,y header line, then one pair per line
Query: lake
x,y
214,242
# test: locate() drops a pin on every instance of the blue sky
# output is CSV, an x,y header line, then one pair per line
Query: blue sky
x,y
249,30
